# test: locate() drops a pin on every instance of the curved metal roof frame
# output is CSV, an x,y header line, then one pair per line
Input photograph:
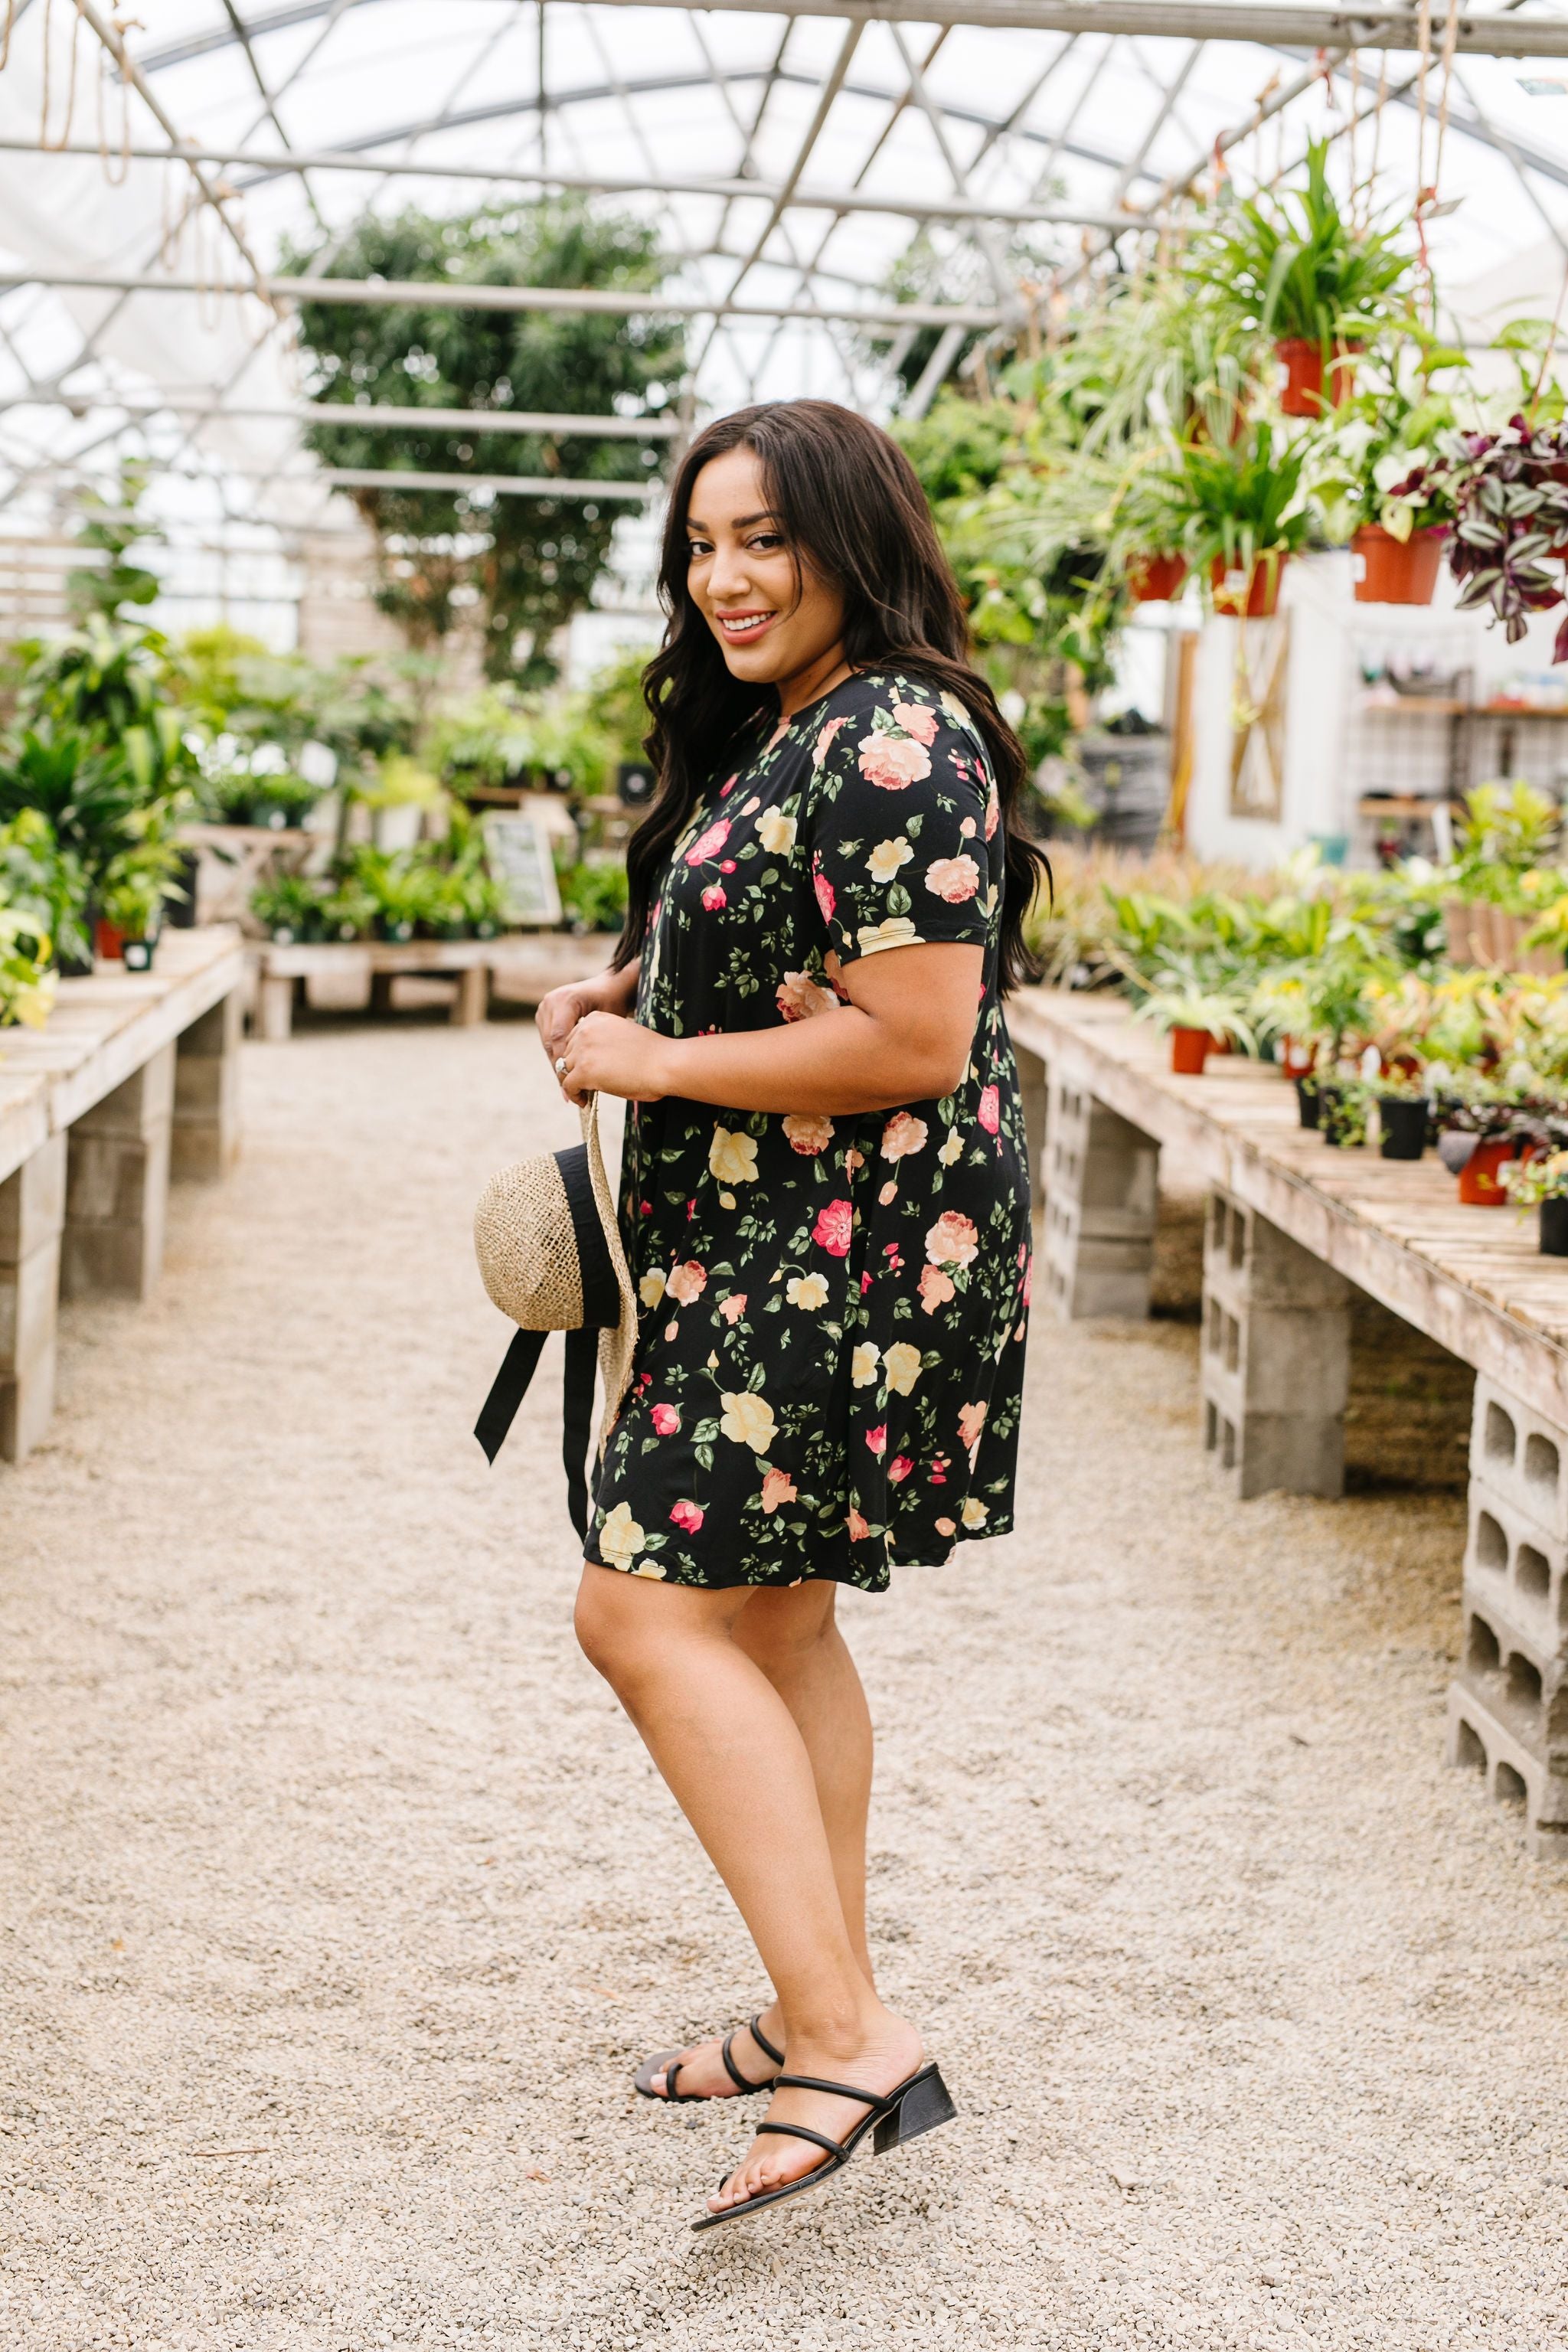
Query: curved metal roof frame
x,y
791,158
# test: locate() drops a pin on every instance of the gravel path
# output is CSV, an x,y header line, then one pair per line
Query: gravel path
x,y
338,1899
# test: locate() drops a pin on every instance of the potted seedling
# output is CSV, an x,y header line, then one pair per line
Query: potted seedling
x,y
1543,1183
289,907
1493,1117
1403,1113
1198,1021
1237,514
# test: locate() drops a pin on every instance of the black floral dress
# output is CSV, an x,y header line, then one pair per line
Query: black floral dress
x,y
830,1354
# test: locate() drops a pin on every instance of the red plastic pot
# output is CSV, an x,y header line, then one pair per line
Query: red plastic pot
x,y
1190,1049
107,942
1156,579
1303,359
1253,599
1481,1177
1396,570
1296,1061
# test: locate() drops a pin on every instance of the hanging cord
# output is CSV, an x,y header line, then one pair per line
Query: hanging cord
x,y
1377,114
1550,345
5,36
54,145
105,69
1451,42
1350,129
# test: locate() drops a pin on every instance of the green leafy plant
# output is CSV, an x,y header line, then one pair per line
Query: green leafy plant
x,y
1215,1013
1236,507
1294,265
289,906
1544,1177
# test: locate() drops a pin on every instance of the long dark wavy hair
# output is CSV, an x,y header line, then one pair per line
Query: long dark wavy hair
x,y
852,508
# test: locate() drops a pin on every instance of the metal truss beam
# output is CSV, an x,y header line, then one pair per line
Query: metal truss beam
x,y
1287,23
808,198
431,294
377,417
504,486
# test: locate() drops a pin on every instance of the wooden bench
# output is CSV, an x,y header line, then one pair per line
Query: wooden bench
x,y
1291,1224
523,965
134,1078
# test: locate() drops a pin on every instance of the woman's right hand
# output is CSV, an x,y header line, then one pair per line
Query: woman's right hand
x,y
560,1011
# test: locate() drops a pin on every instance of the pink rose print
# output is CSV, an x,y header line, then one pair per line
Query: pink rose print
x,y
809,1132
935,1288
780,731
952,1240
968,829
732,1308
827,897
690,1281
859,1528
750,807
903,1134
688,1515
713,898
666,1420
834,1220
727,866
971,1422
798,997
918,719
888,1193
944,1527
993,812
865,1283
726,789
952,878
1030,1283
832,972
824,741
894,762
939,1470
877,1439
853,1160
898,1469
988,1110
778,1487
708,843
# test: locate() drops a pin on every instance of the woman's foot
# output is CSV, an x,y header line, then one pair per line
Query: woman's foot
x,y
883,2054
703,2074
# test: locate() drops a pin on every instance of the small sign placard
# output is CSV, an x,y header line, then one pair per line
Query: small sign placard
x,y
518,852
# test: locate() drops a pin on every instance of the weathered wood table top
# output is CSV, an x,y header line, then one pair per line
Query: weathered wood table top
x,y
1473,1279
104,1028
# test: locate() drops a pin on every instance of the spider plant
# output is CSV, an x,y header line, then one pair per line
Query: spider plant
x,y
1295,266
1233,508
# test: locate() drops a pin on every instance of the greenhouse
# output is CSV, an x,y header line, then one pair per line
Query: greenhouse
x,y
1038,529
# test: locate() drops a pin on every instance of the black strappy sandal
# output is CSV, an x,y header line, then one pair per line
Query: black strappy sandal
x,y
918,2105
668,2063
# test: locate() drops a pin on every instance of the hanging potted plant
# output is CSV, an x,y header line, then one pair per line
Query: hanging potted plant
x,y
1543,1183
1238,514
1317,285
1510,523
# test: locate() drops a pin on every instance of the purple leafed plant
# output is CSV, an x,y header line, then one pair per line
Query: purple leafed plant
x,y
1510,494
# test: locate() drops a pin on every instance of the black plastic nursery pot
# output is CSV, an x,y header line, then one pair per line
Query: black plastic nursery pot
x,y
1403,1127
397,933
137,954
1309,1100
1555,1227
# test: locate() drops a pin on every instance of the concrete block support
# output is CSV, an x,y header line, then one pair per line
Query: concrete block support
x,y
32,1211
1507,1706
117,1186
204,1140
1032,1093
1275,1362
1101,1199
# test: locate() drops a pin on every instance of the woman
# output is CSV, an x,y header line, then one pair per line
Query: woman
x,y
826,1207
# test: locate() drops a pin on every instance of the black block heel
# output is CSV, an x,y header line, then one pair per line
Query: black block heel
x,y
923,2105
916,2105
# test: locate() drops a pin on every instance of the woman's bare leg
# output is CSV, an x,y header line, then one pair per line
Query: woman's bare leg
x,y
734,1757
793,1635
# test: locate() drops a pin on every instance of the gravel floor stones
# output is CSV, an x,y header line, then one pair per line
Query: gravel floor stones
x,y
339,1900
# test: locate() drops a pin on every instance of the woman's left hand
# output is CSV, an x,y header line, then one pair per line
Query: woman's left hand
x,y
607,1055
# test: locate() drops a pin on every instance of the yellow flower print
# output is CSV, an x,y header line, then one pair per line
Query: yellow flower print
x,y
863,1365
620,1537
952,1149
649,1568
776,832
887,857
896,932
749,1420
650,1289
974,1513
903,1366
732,1156
807,1290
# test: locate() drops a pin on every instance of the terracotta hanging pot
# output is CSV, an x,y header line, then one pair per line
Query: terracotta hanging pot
x,y
1301,358
1391,570
1190,1049
1156,579
1244,598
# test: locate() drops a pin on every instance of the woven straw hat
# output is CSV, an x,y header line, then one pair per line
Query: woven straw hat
x,y
549,1246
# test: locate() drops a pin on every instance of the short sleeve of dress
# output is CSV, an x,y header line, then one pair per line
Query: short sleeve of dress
x,y
900,822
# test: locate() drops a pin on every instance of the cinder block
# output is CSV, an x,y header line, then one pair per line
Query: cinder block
x,y
32,1202
117,1196
217,1033
1479,1738
29,1295
26,1406
1524,1686
1101,1201
138,1107
1517,1569
1273,1368
1522,1457
109,1177
1293,1453
1246,1257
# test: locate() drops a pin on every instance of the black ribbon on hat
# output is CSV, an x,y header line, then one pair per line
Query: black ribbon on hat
x,y
600,1310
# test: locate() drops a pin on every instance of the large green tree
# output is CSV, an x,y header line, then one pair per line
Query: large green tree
x,y
533,562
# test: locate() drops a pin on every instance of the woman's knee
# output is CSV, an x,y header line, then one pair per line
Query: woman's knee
x,y
601,1622
781,1631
